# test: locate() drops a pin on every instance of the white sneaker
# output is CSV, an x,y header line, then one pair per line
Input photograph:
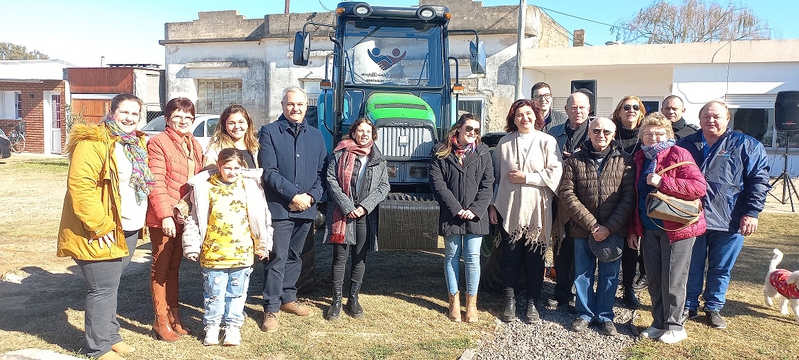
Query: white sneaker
x,y
211,335
674,336
232,336
651,333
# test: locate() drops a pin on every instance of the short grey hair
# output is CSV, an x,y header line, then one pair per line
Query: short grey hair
x,y
294,89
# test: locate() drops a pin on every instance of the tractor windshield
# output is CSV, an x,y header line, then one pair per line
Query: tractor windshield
x,y
393,54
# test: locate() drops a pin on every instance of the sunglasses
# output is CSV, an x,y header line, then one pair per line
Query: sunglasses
x,y
627,107
601,131
468,129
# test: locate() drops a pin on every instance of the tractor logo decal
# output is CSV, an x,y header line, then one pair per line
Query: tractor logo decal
x,y
386,61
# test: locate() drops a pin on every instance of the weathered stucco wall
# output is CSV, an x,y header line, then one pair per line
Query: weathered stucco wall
x,y
225,45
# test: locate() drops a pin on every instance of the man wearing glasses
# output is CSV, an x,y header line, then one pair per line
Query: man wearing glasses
x,y
542,95
598,194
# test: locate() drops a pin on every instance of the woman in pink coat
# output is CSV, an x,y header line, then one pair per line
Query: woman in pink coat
x,y
666,245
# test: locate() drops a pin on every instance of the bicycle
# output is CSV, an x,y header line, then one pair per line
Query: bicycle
x,y
17,137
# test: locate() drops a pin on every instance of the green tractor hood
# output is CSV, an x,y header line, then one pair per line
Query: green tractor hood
x,y
391,107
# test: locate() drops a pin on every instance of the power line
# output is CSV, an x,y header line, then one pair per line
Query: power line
x,y
577,17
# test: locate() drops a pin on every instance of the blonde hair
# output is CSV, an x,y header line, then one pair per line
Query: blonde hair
x,y
656,119
641,111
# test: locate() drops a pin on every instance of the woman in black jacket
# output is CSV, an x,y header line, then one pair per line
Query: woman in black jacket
x,y
462,179
357,181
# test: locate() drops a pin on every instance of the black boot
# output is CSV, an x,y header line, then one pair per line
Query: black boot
x,y
335,306
352,303
532,313
630,300
509,311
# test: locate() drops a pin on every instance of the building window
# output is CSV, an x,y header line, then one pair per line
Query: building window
x,y
18,102
213,96
312,89
757,123
474,106
56,111
10,105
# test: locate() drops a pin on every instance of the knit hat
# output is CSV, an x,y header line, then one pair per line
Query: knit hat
x,y
608,250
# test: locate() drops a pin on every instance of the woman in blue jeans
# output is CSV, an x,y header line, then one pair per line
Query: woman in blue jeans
x,y
462,179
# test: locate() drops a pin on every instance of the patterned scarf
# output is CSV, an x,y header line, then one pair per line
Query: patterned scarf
x,y
461,151
141,180
651,153
346,165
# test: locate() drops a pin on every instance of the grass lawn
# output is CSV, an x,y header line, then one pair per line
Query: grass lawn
x,y
403,297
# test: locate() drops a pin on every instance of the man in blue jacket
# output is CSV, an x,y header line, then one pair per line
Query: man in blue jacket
x,y
292,155
737,177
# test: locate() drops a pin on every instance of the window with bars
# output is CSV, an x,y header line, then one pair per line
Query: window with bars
x,y
18,102
475,106
55,100
10,105
215,95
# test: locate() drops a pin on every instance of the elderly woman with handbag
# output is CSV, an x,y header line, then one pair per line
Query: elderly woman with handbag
x,y
667,245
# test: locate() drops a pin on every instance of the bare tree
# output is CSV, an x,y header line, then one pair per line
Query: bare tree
x,y
9,51
692,21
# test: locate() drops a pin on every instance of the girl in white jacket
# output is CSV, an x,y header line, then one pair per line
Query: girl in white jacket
x,y
228,225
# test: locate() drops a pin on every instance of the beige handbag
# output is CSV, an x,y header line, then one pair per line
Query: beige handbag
x,y
669,208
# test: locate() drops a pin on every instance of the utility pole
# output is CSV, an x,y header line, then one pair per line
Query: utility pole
x,y
519,38
288,5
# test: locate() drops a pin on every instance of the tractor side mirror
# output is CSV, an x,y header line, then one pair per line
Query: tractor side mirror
x,y
302,48
477,57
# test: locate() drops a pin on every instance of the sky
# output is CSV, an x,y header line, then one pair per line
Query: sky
x,y
82,32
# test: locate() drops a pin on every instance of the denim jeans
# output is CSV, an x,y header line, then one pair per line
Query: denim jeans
x,y
225,292
720,249
469,246
589,305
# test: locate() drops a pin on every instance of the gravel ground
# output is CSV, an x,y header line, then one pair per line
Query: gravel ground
x,y
551,337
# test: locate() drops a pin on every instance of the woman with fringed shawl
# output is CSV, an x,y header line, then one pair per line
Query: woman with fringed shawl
x,y
528,168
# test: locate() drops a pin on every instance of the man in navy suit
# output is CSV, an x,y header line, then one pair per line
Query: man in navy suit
x,y
292,155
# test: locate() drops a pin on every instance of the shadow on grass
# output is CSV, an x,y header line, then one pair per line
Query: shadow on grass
x,y
38,304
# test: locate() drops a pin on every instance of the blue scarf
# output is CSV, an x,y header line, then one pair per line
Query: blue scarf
x,y
651,153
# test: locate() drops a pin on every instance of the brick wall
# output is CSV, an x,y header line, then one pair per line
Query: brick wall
x,y
32,107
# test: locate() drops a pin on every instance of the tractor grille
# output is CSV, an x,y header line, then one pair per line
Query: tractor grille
x,y
405,142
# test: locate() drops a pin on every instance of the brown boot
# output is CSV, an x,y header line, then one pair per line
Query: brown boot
x,y
122,348
270,322
110,356
454,307
163,331
176,321
295,308
471,308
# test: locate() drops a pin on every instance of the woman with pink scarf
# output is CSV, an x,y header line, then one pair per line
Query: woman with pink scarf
x,y
357,181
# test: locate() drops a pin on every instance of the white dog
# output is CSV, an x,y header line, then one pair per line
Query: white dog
x,y
782,285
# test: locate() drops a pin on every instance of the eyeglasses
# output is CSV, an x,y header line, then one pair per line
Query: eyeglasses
x,y
180,118
543,96
469,129
627,107
654,134
601,131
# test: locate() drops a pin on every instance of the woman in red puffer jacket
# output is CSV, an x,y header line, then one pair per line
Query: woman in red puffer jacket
x,y
175,156
666,245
